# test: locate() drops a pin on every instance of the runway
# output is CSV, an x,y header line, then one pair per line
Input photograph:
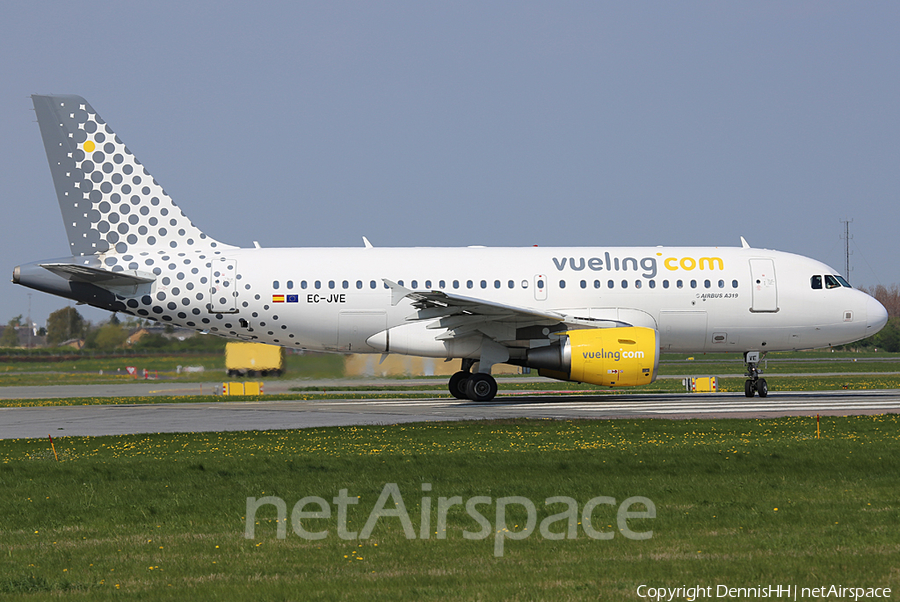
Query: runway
x,y
96,420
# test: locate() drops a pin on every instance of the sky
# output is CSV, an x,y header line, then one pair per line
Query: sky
x,y
474,123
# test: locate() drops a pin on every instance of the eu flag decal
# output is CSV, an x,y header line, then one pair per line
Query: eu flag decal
x,y
293,298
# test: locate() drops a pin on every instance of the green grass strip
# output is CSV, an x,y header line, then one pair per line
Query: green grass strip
x,y
738,502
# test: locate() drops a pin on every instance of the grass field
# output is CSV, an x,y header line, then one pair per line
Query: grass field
x,y
316,366
738,502
87,370
398,389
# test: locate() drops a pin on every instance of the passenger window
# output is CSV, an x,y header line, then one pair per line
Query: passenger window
x,y
372,284
665,284
290,284
637,284
331,284
442,284
512,284
456,284
540,283
707,284
734,284
400,282
624,284
414,284
484,284
428,284
584,284
345,284
496,284
721,284
303,284
610,284
831,281
562,284
275,285
596,284
679,284
524,284
652,284
469,284
319,284
816,282
359,284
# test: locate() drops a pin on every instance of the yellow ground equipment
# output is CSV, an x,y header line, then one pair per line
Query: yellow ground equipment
x,y
243,389
702,384
251,359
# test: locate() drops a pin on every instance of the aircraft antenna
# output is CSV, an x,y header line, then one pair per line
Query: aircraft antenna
x,y
847,237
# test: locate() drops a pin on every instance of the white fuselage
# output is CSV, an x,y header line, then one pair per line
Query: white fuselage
x,y
700,299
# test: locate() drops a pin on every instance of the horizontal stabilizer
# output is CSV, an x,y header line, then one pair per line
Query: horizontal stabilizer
x,y
100,277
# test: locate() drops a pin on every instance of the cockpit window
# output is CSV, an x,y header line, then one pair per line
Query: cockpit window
x,y
831,281
842,281
816,282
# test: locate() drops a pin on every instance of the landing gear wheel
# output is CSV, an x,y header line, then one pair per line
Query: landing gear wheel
x,y
457,384
762,387
748,388
481,387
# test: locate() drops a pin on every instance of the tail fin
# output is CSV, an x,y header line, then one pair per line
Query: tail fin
x,y
110,203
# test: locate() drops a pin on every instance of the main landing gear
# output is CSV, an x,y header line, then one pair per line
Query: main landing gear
x,y
754,384
476,387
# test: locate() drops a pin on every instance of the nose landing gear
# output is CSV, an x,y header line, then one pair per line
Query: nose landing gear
x,y
754,384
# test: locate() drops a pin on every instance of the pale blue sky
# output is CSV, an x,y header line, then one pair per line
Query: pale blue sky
x,y
497,123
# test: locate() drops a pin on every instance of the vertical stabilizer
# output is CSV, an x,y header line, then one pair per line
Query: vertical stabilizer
x,y
110,203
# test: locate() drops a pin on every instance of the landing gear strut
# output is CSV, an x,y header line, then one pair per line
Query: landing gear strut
x,y
476,387
754,384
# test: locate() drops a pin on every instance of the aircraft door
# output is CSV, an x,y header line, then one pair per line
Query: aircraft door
x,y
765,292
223,290
540,287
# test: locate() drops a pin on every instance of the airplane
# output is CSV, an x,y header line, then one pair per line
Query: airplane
x,y
597,315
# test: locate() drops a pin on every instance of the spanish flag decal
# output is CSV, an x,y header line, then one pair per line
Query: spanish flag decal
x,y
277,298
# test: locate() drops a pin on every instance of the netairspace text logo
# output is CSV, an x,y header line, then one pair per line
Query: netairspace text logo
x,y
390,506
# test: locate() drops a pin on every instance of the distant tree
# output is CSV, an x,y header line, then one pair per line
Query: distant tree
x,y
151,342
10,336
64,324
887,296
114,319
889,337
108,337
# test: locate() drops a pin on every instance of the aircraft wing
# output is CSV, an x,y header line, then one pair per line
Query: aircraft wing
x,y
460,315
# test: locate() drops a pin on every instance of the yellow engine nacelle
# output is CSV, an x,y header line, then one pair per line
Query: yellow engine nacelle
x,y
613,357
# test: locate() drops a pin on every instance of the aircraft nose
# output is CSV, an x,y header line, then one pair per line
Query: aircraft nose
x,y
876,316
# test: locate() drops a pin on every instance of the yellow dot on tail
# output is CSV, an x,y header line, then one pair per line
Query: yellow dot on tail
x,y
89,146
